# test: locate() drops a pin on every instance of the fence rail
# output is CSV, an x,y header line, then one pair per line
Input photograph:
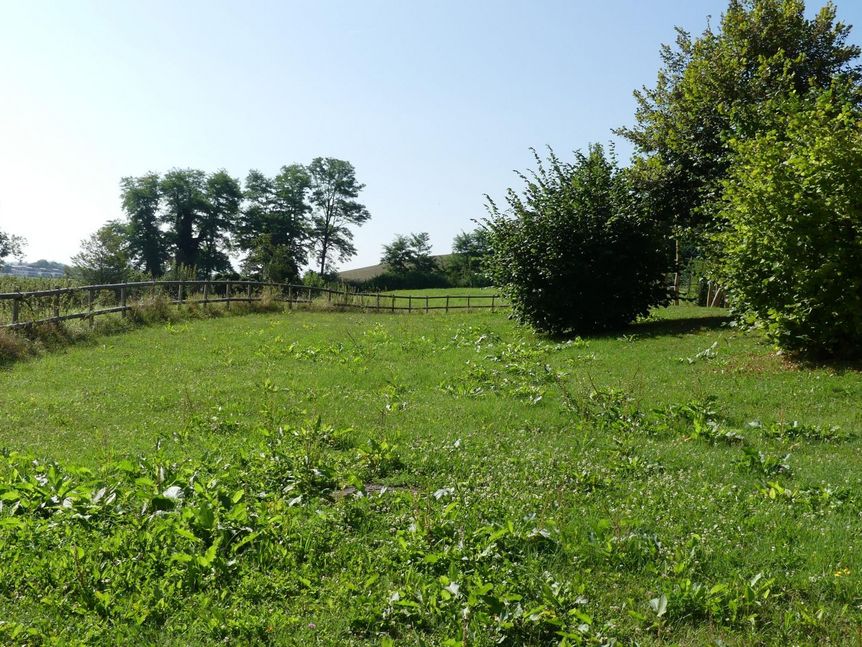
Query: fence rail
x,y
20,309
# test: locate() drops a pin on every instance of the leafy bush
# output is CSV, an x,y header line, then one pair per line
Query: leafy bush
x,y
793,241
577,255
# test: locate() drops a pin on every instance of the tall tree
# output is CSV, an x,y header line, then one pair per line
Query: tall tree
x,y
334,190
274,228
713,88
184,208
219,220
147,244
105,255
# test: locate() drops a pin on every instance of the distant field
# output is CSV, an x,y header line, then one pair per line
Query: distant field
x,y
677,484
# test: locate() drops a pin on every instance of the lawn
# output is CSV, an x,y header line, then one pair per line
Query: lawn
x,y
347,478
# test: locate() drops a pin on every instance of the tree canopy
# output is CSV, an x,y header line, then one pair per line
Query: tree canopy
x,y
104,256
411,253
274,228
715,87
334,189
10,245
147,243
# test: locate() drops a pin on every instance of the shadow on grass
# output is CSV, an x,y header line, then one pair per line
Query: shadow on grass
x,y
676,327
837,366
652,328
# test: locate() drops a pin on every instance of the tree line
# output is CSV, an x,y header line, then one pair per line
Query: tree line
x,y
188,221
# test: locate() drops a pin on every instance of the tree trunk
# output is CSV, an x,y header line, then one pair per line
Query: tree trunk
x,y
324,248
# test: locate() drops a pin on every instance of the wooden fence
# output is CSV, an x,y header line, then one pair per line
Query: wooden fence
x,y
20,309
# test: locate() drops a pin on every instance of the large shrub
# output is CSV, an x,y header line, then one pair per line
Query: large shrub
x,y
574,252
793,238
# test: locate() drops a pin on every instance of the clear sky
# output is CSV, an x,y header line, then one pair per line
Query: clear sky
x,y
435,103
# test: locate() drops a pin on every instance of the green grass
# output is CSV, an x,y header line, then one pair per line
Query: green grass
x,y
647,487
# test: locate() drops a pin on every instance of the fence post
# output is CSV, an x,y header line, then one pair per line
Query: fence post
x,y
393,303
123,299
15,306
426,304
227,294
328,295
181,293
468,303
378,302
345,294
90,307
409,304
493,298
290,297
248,292
56,303
447,304
206,291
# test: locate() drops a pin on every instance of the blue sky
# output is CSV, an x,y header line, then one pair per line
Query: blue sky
x,y
435,103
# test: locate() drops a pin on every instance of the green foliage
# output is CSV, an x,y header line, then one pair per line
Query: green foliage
x,y
184,207
104,256
10,245
409,253
466,266
577,254
409,265
713,87
140,200
792,243
187,214
223,196
274,230
334,189
199,218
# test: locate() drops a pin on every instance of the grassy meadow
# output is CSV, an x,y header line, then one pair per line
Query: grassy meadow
x,y
305,478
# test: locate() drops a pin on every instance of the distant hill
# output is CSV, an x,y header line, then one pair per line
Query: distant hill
x,y
368,273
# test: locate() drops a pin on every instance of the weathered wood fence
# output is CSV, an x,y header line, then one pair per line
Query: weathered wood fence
x,y
19,309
